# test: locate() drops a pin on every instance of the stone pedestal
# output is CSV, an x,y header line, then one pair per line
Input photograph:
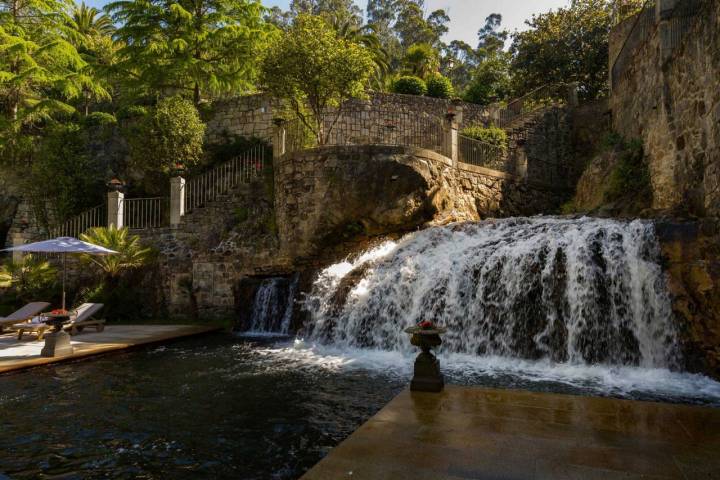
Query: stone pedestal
x,y
57,344
427,376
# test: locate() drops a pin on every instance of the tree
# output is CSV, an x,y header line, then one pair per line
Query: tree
x,y
366,36
490,81
422,60
198,47
314,70
334,11
40,70
566,45
170,134
90,22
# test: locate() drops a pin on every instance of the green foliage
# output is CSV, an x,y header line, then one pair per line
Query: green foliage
x,y
232,145
29,279
172,133
201,47
100,119
493,135
439,87
421,60
409,85
132,254
313,69
64,172
490,82
631,175
568,44
40,71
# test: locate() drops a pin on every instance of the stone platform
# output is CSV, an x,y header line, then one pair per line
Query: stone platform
x,y
17,355
478,433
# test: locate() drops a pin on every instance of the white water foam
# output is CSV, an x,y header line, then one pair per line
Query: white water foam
x,y
618,381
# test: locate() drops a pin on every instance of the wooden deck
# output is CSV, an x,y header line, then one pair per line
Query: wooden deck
x,y
17,355
477,433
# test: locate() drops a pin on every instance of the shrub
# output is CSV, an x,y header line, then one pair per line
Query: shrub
x,y
171,133
409,86
492,135
63,170
29,279
100,118
439,87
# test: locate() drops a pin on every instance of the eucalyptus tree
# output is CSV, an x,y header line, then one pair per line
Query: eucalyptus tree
x,y
196,47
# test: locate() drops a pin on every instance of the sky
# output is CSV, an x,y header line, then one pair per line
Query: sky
x,y
466,16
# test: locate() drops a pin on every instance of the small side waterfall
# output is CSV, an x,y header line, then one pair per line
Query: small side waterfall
x,y
273,306
578,291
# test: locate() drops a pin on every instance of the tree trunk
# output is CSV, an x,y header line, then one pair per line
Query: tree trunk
x,y
196,94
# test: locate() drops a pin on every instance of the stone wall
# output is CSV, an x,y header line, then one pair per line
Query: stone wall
x,y
328,194
670,98
253,115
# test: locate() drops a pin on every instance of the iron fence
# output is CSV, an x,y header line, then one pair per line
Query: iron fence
x,y
641,31
211,185
144,213
543,97
481,154
680,21
79,224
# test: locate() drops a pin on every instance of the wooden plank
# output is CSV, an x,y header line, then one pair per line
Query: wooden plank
x,y
18,355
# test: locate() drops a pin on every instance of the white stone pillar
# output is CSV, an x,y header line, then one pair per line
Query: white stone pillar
x,y
572,95
116,210
177,200
450,129
17,239
279,138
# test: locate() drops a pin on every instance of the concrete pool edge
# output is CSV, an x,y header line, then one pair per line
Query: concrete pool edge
x,y
114,339
477,432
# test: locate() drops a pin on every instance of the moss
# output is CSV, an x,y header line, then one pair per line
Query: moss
x,y
568,208
241,214
631,175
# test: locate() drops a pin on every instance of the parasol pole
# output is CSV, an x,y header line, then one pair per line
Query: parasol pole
x,y
63,278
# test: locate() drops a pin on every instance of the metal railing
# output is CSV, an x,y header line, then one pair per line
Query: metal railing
x,y
481,154
75,226
211,185
681,19
540,98
144,213
641,31
367,125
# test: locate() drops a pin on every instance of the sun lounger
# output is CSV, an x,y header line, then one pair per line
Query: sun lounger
x,y
37,326
23,315
83,317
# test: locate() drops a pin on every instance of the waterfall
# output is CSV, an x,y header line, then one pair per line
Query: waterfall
x,y
273,306
576,291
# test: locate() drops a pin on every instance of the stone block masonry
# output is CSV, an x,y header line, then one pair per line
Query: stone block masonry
x,y
670,98
327,194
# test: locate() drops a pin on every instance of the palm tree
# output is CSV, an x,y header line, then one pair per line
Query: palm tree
x,y
422,60
27,277
365,36
90,22
132,254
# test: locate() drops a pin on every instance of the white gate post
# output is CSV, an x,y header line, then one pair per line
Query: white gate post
x,y
116,212
279,138
450,146
177,200
17,239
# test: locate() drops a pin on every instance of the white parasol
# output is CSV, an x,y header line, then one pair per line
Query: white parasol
x,y
63,245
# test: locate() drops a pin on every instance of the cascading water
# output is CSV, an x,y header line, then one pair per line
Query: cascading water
x,y
569,291
273,306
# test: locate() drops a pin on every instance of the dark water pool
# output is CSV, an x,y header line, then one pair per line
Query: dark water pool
x,y
212,407
222,407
